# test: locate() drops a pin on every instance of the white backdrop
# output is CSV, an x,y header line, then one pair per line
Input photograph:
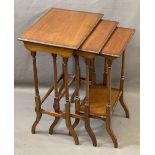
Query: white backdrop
x,y
124,11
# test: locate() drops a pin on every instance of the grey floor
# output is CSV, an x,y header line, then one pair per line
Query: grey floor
x,y
127,130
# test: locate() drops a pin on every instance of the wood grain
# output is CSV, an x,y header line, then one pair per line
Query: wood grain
x,y
64,52
117,42
98,99
63,28
95,42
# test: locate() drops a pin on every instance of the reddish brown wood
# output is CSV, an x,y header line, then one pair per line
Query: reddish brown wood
x,y
67,105
86,105
37,96
63,28
117,42
56,105
105,72
99,36
124,106
109,108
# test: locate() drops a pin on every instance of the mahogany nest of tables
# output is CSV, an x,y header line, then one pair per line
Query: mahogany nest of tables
x,y
76,33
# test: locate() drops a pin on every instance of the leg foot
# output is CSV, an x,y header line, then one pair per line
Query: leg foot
x,y
33,130
56,120
70,128
110,131
75,124
38,114
113,137
90,132
124,106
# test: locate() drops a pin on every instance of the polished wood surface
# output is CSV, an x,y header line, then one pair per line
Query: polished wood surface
x,y
74,33
37,95
99,99
64,52
117,42
63,28
97,39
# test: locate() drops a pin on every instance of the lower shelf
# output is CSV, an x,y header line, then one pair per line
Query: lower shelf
x,y
98,99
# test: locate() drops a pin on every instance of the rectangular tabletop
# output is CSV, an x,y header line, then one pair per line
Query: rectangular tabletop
x,y
99,36
117,42
62,28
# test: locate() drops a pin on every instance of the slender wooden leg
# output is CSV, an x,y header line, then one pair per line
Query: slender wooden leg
x,y
108,108
109,129
67,105
92,73
121,99
76,92
63,85
105,72
37,96
56,105
87,119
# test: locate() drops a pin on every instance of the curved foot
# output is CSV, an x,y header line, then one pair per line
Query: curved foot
x,y
75,124
33,129
124,106
112,135
70,128
56,120
90,132
72,132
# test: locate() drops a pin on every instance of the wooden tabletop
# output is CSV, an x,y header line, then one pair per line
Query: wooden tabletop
x,y
62,28
96,41
117,42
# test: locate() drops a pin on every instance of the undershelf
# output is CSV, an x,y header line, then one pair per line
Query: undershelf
x,y
98,99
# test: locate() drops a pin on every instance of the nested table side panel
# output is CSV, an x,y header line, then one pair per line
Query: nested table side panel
x,y
117,42
35,47
64,28
95,42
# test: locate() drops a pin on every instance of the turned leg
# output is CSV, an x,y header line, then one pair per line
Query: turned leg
x,y
87,119
105,72
37,97
108,107
56,105
121,99
76,92
67,105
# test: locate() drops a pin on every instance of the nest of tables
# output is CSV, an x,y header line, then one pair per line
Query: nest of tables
x,y
70,33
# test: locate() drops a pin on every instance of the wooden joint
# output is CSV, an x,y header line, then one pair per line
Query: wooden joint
x,y
54,55
76,98
86,103
65,60
56,98
122,77
67,101
33,54
108,109
37,99
109,62
76,56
